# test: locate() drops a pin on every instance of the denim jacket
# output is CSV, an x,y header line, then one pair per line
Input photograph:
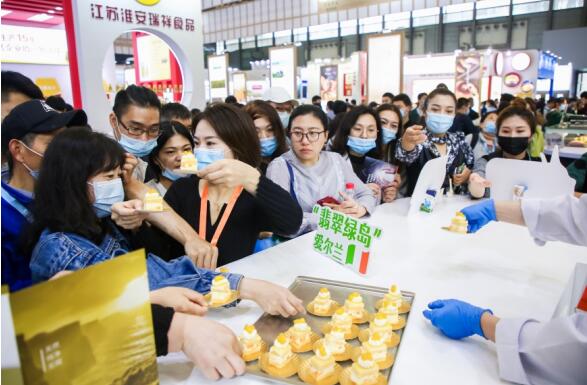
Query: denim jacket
x,y
58,251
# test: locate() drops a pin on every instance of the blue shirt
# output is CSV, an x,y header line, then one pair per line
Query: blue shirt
x,y
15,264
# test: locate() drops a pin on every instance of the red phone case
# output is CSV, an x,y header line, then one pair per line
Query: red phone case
x,y
328,199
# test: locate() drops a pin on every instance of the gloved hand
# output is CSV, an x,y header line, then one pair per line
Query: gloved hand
x,y
455,319
480,214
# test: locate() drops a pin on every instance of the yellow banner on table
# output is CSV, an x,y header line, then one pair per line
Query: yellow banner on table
x,y
49,86
92,327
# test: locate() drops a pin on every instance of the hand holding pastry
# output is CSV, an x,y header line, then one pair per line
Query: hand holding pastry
x,y
216,357
272,298
181,299
125,214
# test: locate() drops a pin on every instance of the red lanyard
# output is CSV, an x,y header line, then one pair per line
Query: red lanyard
x,y
204,213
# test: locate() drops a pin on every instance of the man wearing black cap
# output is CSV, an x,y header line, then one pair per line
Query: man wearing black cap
x,y
26,133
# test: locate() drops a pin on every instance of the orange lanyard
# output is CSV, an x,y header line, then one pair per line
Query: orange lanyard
x,y
204,213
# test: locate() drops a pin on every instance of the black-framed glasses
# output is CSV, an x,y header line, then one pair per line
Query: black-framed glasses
x,y
312,136
152,132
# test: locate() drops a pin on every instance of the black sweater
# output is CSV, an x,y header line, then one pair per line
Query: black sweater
x,y
272,209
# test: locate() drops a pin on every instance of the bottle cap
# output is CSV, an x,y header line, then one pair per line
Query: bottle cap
x,y
350,186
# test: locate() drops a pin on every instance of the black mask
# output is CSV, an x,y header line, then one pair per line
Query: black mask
x,y
513,146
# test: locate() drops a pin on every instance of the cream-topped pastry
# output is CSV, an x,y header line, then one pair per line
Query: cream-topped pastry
x,y
354,305
322,302
280,353
459,223
334,341
381,325
250,341
342,319
188,162
300,333
394,295
365,370
220,290
376,346
322,364
391,311
153,201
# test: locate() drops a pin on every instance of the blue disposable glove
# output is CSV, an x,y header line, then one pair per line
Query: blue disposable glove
x,y
455,319
480,214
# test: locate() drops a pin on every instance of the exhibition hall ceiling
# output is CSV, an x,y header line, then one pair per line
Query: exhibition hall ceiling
x,y
44,12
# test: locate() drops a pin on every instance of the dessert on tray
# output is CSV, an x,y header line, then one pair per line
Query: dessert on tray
x,y
381,325
392,312
342,319
336,344
355,306
301,336
377,347
220,293
189,163
394,295
458,224
364,371
251,343
280,361
321,369
322,305
153,201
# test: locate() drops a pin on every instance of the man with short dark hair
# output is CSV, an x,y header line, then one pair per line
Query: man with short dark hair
x,y
17,89
554,114
317,100
463,123
135,124
582,104
403,102
26,133
418,112
176,112
58,103
387,98
231,99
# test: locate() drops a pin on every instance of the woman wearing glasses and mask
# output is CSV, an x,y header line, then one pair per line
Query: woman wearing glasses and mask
x,y
312,175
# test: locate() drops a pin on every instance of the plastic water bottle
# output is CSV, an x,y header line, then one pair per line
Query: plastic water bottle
x,y
350,190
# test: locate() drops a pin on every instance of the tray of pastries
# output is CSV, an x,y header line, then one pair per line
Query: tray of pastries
x,y
350,335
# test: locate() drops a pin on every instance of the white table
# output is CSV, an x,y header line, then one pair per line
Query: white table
x,y
568,152
499,267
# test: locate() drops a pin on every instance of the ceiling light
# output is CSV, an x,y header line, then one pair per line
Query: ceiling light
x,y
50,11
4,12
59,8
40,17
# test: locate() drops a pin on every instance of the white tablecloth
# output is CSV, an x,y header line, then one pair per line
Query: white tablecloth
x,y
500,267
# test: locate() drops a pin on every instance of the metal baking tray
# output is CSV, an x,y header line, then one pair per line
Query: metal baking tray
x,y
306,288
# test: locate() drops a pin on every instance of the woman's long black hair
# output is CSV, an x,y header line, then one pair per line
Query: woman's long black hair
x,y
339,143
168,130
62,200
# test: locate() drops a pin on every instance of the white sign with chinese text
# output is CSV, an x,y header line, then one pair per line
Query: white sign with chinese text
x,y
283,69
33,45
344,239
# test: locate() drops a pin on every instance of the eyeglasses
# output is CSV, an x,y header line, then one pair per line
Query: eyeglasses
x,y
312,136
151,132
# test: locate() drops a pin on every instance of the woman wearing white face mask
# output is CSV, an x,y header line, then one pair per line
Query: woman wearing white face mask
x,y
487,142
420,144
165,159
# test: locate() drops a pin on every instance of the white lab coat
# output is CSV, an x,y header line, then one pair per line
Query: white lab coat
x,y
553,352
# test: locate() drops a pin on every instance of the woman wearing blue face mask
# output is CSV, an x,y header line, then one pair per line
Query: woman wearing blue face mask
x,y
79,183
359,139
165,160
230,202
269,130
420,144
487,142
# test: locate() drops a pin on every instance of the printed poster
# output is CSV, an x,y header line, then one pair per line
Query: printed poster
x,y
328,82
468,75
93,326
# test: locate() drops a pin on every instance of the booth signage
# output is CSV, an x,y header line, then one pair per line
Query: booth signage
x,y
33,45
328,82
468,75
140,18
546,65
344,239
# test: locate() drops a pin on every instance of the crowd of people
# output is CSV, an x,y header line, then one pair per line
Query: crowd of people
x,y
72,197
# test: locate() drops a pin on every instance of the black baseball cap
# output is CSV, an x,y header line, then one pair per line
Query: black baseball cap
x,y
37,117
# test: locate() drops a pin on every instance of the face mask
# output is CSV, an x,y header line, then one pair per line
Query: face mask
x,y
490,128
439,123
268,146
402,112
106,193
34,173
388,135
284,117
513,146
491,109
563,107
137,147
359,145
207,156
172,175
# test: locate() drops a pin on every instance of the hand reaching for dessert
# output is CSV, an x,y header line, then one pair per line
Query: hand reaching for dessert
x,y
202,253
216,357
181,299
272,298
125,214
